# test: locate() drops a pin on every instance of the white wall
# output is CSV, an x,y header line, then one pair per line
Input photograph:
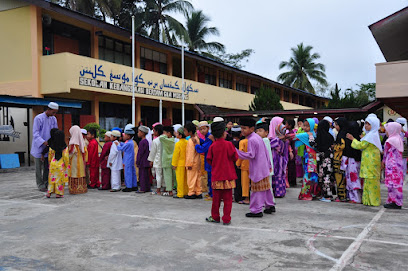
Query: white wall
x,y
18,144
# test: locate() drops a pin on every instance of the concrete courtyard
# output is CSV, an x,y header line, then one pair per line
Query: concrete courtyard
x,y
127,231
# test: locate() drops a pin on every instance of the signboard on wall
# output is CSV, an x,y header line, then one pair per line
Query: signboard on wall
x,y
96,77
388,113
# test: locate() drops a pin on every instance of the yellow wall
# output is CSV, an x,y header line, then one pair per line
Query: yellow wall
x,y
15,48
60,73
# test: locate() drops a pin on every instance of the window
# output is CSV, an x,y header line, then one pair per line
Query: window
x,y
151,60
59,37
225,80
286,95
301,100
278,92
207,75
255,86
115,51
295,98
242,84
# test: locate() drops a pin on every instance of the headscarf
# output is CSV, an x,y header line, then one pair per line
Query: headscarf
x,y
324,139
373,136
76,138
59,144
304,137
354,129
394,138
275,122
51,140
403,122
342,122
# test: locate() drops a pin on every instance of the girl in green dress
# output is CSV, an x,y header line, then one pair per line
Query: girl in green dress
x,y
370,170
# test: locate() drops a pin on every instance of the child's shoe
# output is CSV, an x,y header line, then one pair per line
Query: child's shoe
x,y
254,215
270,210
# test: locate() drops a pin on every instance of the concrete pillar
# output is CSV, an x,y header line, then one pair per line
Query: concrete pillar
x,y
137,55
234,81
195,67
138,111
94,43
169,111
249,85
217,78
95,108
169,64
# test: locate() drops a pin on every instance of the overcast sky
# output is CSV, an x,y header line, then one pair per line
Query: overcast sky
x,y
337,30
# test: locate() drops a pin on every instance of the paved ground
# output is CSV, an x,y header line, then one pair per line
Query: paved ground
x,y
125,231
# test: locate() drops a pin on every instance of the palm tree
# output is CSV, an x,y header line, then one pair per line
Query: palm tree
x,y
163,26
196,31
303,68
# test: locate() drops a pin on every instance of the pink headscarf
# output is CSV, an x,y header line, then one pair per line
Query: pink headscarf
x,y
76,137
394,138
275,122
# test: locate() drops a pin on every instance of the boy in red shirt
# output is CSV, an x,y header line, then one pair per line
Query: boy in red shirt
x,y
222,157
93,160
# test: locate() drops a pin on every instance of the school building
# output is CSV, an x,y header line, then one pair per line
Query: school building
x,y
391,36
50,53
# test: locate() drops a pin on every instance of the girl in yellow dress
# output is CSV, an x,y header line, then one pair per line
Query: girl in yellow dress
x,y
58,159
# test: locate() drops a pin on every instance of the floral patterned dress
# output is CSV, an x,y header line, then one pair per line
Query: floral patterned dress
x,y
325,170
58,174
394,174
370,171
310,187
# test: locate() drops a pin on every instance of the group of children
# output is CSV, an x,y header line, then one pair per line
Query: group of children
x,y
252,163
345,164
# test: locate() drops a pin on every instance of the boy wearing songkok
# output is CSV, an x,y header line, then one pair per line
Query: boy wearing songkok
x,y
236,139
259,170
221,156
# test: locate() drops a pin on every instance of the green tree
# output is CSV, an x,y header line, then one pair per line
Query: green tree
x,y
196,31
162,26
303,68
352,98
265,99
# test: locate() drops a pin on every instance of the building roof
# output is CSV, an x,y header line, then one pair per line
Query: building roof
x,y
24,102
127,33
391,36
210,112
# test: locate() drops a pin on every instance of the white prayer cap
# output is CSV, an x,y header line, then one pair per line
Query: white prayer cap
x,y
218,119
84,131
129,129
203,123
108,134
53,105
176,127
329,119
115,133
236,128
144,129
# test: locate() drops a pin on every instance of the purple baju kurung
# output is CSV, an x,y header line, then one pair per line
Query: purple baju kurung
x,y
280,161
259,169
394,176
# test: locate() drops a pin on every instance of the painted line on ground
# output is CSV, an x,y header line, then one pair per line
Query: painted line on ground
x,y
349,253
8,202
